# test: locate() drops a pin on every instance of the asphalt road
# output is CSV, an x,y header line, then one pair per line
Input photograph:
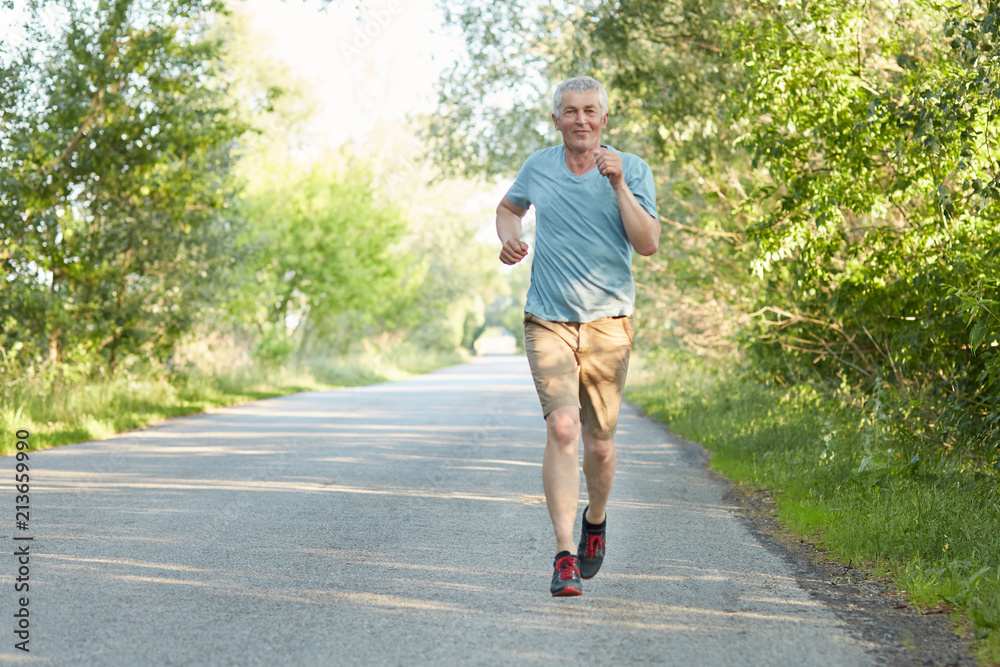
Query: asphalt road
x,y
396,524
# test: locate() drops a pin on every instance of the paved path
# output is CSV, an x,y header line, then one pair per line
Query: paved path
x,y
397,524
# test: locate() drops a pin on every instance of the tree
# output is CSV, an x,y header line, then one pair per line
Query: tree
x,y
323,258
874,124
116,214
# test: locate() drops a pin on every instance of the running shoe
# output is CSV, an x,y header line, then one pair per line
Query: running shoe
x,y
591,548
566,578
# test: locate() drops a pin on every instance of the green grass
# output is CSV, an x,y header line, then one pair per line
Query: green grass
x,y
60,411
844,475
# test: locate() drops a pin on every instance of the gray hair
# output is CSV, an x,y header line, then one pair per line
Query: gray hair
x,y
580,84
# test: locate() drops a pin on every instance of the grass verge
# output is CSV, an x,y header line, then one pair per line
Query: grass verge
x,y
60,411
846,477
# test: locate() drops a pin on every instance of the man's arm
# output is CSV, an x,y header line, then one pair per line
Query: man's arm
x,y
509,230
643,229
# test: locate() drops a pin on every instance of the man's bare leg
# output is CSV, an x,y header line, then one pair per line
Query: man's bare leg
x,y
600,460
561,473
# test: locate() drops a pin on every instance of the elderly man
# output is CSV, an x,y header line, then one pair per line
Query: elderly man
x,y
593,205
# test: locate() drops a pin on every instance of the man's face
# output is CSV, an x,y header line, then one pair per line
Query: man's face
x,y
580,120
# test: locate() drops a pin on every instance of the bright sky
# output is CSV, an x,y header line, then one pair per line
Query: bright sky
x,y
367,59
374,63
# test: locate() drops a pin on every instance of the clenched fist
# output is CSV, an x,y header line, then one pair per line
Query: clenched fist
x,y
513,251
609,164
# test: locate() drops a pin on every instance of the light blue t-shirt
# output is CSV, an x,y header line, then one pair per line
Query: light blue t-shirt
x,y
582,268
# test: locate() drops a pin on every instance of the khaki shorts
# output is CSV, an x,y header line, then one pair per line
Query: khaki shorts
x,y
581,364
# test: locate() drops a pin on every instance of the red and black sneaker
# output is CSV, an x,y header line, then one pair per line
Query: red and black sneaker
x,y
591,547
566,578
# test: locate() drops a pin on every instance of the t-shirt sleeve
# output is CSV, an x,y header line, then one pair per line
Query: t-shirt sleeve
x,y
642,186
518,193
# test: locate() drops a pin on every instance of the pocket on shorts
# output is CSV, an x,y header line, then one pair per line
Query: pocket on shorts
x,y
629,327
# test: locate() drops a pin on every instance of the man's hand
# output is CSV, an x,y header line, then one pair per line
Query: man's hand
x,y
609,164
509,231
642,229
513,251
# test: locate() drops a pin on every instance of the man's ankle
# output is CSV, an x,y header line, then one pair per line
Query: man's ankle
x,y
587,516
571,549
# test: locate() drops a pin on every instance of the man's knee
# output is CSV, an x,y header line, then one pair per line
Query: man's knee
x,y
564,425
599,449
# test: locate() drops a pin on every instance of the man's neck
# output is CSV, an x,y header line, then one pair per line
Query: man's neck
x,y
581,163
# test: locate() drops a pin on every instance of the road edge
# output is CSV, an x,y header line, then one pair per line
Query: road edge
x,y
871,608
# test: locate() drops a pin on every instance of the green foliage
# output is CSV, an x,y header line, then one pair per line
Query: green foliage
x,y
507,310
115,175
476,130
981,307
844,474
884,194
461,279
322,257
153,187
449,238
